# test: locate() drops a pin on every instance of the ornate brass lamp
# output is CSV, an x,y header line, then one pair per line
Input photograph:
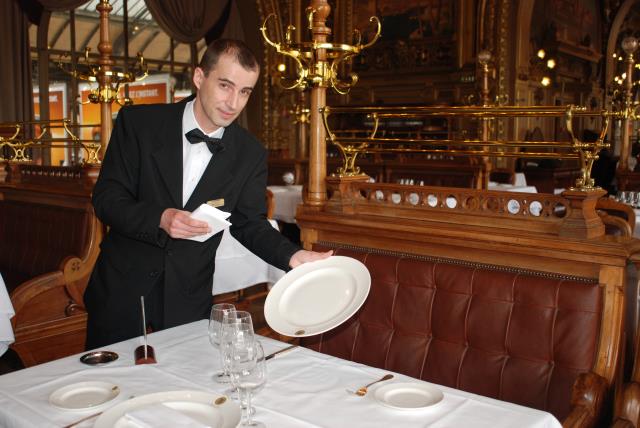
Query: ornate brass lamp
x,y
108,80
317,65
627,109
311,69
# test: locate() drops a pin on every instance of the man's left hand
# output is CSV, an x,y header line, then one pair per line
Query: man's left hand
x,y
304,256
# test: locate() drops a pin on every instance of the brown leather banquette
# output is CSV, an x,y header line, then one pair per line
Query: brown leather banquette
x,y
49,240
515,335
481,291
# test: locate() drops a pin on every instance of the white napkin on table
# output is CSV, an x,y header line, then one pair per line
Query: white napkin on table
x,y
217,220
160,416
6,313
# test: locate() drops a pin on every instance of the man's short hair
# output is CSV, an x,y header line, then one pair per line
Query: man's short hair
x,y
237,48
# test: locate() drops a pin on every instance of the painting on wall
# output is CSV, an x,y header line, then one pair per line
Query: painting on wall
x,y
409,19
573,22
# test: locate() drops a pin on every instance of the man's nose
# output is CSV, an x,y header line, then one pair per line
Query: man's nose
x,y
232,100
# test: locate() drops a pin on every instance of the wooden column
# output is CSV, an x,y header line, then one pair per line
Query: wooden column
x,y
484,59
106,64
317,189
629,45
302,145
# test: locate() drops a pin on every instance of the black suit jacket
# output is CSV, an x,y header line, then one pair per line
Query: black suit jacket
x,y
141,176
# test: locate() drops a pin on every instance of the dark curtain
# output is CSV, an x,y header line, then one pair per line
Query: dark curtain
x,y
186,21
15,86
61,5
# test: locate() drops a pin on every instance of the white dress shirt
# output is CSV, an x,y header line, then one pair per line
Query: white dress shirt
x,y
195,157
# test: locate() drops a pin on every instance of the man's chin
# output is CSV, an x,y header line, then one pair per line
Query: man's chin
x,y
223,123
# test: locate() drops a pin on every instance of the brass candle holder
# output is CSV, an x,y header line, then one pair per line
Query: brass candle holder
x,y
313,69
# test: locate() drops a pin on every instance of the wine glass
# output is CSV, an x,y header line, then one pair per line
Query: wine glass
x,y
236,326
248,372
215,327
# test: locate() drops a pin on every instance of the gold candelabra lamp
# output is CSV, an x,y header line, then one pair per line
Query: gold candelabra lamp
x,y
109,80
107,90
624,87
312,68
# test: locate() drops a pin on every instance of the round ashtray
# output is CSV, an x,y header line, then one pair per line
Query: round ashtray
x,y
98,357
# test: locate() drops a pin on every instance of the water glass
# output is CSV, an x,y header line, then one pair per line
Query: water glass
x,y
215,327
236,327
248,371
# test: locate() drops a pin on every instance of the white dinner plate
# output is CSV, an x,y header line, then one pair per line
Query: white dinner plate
x,y
214,410
408,396
318,296
83,395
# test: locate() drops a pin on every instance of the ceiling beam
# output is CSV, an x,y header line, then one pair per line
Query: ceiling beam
x,y
58,34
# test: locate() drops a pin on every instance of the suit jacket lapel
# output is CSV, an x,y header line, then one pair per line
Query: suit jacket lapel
x,y
169,157
218,172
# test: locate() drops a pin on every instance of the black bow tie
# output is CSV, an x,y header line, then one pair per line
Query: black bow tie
x,y
196,136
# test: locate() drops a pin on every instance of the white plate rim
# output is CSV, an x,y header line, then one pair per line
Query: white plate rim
x,y
110,388
281,325
381,389
230,409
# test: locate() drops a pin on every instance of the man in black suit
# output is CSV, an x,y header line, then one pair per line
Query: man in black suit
x,y
158,168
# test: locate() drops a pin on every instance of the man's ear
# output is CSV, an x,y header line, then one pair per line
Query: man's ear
x,y
198,77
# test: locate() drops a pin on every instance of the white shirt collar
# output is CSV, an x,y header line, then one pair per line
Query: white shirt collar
x,y
189,122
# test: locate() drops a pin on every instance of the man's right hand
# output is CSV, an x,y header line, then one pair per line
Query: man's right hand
x,y
179,224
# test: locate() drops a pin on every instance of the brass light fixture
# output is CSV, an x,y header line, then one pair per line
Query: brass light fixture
x,y
310,69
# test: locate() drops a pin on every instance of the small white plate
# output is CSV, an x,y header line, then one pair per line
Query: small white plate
x,y
318,296
83,395
408,396
214,410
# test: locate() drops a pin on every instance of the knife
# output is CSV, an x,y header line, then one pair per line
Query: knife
x,y
273,354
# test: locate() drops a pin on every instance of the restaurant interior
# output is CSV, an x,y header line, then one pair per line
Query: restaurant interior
x,y
480,158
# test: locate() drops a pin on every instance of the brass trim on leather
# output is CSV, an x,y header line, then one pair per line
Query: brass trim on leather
x,y
507,269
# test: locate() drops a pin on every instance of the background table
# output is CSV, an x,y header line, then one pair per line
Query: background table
x,y
238,268
6,313
305,389
286,200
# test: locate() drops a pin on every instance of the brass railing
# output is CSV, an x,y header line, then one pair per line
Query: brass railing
x,y
20,144
352,146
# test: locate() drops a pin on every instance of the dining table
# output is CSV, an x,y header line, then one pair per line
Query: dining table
x,y
6,313
304,388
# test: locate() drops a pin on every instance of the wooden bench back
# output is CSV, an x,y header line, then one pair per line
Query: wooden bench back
x,y
49,241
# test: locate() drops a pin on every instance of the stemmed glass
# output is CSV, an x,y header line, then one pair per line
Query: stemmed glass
x,y
236,326
248,371
218,312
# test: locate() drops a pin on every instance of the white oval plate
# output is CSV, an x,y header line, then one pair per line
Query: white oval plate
x,y
318,296
214,410
83,395
408,396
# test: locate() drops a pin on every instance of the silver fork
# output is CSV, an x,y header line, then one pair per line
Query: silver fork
x,y
362,391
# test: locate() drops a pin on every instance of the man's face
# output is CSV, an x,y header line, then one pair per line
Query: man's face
x,y
223,93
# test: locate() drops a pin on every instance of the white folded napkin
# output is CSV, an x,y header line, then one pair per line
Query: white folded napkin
x,y
6,313
214,217
160,416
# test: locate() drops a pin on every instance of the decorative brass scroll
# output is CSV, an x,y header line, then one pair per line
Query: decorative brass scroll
x,y
19,144
586,152
313,71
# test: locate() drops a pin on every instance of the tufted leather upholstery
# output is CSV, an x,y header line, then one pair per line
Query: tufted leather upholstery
x,y
37,237
516,337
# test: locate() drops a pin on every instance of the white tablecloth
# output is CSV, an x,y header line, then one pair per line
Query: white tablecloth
x,y
520,179
304,389
286,200
6,313
238,268
511,188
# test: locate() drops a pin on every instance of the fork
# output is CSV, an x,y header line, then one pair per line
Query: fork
x,y
362,391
